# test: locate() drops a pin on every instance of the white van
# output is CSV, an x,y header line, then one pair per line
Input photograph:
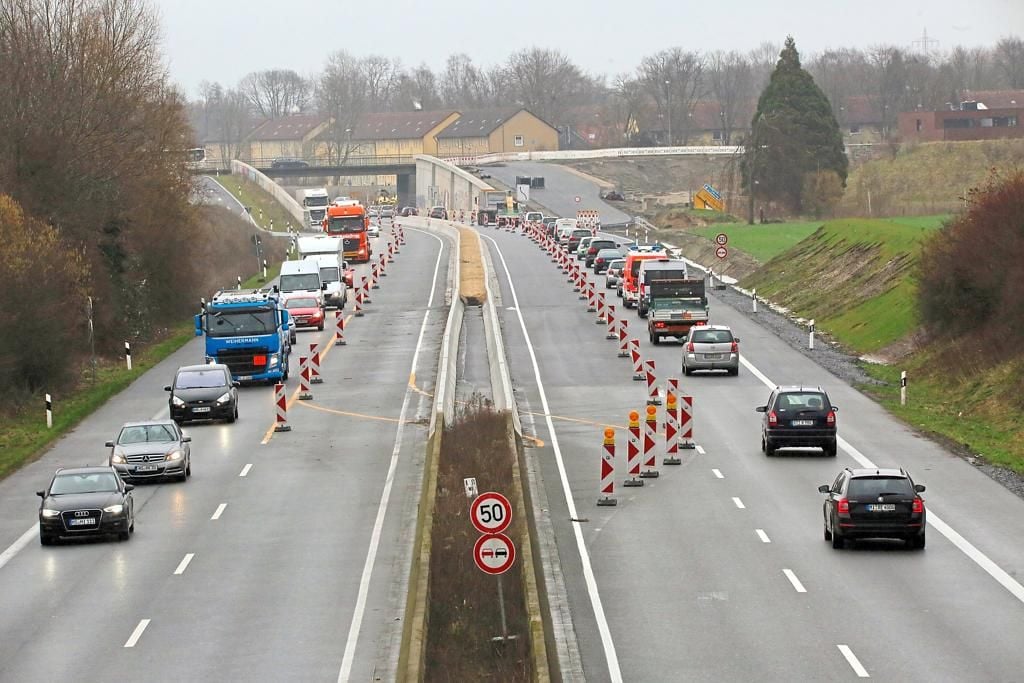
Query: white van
x,y
331,270
301,276
563,229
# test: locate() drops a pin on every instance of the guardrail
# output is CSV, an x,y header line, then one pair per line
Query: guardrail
x,y
328,161
595,154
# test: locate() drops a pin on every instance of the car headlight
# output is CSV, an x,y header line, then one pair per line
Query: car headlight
x,y
114,509
274,360
177,401
174,455
117,459
46,512
224,398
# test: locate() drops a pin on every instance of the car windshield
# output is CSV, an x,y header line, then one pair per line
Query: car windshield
x,y
802,400
873,487
301,302
146,434
580,233
297,281
201,379
711,336
329,274
239,323
92,482
616,264
317,201
686,305
337,225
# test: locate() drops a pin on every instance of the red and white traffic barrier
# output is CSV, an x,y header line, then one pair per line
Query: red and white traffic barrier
x,y
610,317
339,328
591,300
686,422
607,492
281,401
391,253
600,309
359,303
653,395
382,267
623,338
633,451
638,364
650,444
366,290
401,235
314,364
672,423
577,277
374,274
305,393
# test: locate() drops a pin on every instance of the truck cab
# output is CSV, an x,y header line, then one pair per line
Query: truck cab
x,y
349,220
247,330
314,204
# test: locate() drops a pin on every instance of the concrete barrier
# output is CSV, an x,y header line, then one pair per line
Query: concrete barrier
x,y
293,208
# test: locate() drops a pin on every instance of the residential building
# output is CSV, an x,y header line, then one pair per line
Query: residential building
x,y
487,131
289,136
400,134
971,120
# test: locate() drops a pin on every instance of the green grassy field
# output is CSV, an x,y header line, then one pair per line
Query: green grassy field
x,y
763,242
253,196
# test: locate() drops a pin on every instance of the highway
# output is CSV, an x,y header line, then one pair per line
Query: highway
x,y
717,570
562,186
284,557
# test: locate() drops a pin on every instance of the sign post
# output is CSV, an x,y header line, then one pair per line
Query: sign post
x,y
494,553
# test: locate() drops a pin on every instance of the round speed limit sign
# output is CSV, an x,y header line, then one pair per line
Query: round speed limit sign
x,y
722,239
491,513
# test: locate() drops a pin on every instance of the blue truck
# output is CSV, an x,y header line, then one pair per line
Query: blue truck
x,y
249,331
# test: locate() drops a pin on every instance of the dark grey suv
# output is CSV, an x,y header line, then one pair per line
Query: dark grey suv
x,y
873,503
797,416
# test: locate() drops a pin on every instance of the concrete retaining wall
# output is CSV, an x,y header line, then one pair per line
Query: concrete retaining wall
x,y
439,183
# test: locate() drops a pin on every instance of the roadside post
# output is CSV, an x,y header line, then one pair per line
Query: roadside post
x,y
264,270
238,280
650,470
49,412
494,553
810,335
903,388
633,451
607,492
128,354
753,299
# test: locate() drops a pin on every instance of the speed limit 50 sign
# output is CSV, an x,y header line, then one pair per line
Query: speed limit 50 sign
x,y
490,513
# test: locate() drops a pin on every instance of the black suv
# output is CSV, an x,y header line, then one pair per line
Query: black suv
x,y
798,416
289,163
873,503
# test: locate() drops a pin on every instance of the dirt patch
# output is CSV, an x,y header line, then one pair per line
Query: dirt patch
x,y
472,288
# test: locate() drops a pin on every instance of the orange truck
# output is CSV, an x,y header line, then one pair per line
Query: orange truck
x,y
349,220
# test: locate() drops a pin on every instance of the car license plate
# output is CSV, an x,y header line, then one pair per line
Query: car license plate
x,y
881,507
245,378
803,423
83,521
146,468
712,356
201,410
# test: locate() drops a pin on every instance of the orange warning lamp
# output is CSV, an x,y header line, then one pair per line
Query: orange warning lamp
x,y
609,433
633,416
651,412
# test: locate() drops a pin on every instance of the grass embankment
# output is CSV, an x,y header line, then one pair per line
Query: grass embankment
x,y
258,200
464,612
763,242
856,278
24,434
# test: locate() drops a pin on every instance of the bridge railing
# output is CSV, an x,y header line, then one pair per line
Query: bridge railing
x,y
327,161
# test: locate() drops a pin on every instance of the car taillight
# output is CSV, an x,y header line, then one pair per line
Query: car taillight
x,y
735,348
599,260
843,506
918,506
773,419
830,419
659,324
689,347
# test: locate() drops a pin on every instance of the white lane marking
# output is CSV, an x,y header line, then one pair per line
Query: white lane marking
x,y
739,503
612,658
965,546
19,545
700,449
763,536
718,473
245,470
219,511
854,663
184,563
348,657
137,633
799,587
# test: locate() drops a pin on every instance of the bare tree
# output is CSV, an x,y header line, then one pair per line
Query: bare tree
x,y
889,78
417,90
763,59
675,81
1009,62
633,104
276,93
544,81
730,80
341,95
461,83
381,76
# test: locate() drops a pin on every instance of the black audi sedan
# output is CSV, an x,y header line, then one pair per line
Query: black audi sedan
x,y
86,501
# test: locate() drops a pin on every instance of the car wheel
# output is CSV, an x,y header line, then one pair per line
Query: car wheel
x,y
837,541
320,327
44,539
830,449
188,468
124,535
769,448
234,415
828,534
734,371
917,542
763,449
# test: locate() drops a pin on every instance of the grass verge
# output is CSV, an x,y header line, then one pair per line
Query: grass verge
x,y
24,435
763,242
463,601
265,210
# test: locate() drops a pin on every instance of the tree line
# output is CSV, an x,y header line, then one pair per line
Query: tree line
x,y
664,87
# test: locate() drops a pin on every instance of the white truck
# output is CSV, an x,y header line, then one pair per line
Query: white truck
x,y
301,277
314,205
326,252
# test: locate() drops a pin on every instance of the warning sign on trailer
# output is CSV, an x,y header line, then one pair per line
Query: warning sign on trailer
x,y
494,553
490,513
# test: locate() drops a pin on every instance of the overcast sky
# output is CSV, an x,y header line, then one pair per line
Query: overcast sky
x,y
222,40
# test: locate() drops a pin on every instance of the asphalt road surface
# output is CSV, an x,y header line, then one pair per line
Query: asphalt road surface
x,y
284,557
717,570
562,186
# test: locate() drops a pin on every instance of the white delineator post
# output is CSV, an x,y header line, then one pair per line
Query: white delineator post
x,y
810,335
305,394
314,364
281,403
903,388
672,423
339,328
753,299
128,354
238,279
607,492
49,412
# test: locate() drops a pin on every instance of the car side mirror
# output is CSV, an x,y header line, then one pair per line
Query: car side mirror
x,y
41,494
735,339
919,488
109,444
186,439
129,487
236,384
824,488
167,388
835,408
761,409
